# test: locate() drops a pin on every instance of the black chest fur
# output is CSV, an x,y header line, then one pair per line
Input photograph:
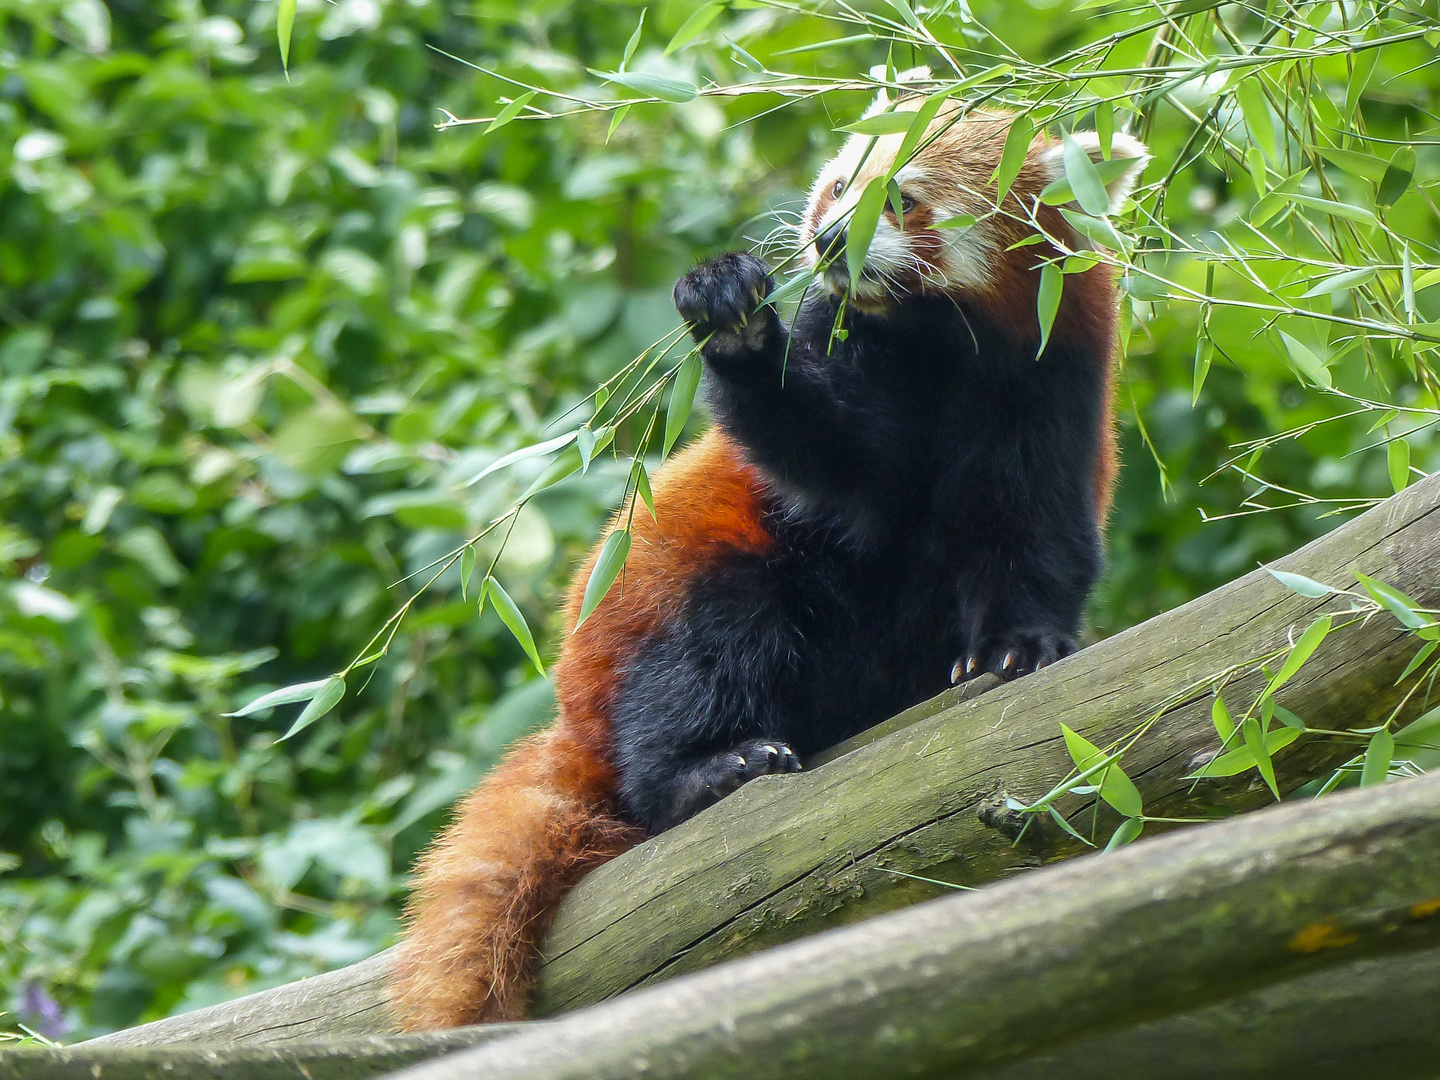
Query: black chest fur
x,y
932,498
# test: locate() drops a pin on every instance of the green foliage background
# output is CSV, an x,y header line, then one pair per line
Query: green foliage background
x,y
254,329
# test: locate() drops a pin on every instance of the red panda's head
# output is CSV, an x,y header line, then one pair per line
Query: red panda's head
x,y
950,176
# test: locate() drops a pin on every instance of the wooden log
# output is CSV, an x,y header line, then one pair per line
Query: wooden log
x,y
338,1059
337,1004
1019,973
787,856
924,793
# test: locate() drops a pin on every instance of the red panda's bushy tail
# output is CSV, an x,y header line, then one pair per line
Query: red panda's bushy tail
x,y
486,890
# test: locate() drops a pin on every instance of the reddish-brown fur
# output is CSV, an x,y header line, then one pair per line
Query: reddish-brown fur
x,y
486,889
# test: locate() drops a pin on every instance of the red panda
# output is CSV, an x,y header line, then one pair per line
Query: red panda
x,y
877,513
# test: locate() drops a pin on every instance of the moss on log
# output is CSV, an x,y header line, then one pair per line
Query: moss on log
x,y
1091,956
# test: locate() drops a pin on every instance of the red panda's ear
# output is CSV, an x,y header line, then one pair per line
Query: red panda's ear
x,y
910,75
1128,158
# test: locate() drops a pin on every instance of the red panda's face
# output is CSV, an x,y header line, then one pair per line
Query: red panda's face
x,y
949,178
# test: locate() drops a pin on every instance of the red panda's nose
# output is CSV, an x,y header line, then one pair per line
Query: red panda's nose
x,y
831,243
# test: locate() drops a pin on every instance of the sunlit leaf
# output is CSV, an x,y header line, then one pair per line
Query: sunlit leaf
x,y
1220,717
861,229
1397,456
1127,831
1393,601
510,111
1398,175
1300,583
1012,157
284,24
1256,110
1256,743
677,91
1301,651
1306,361
513,619
286,695
885,123
1116,788
1047,301
682,399
606,569
694,26
1379,752
328,696
546,447
1204,353
1084,180
1340,282
1237,761
467,567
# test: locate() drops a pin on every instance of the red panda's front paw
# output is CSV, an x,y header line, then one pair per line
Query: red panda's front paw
x,y
721,300
1013,654
760,757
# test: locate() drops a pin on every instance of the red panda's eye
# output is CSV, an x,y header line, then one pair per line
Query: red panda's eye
x,y
907,204
838,187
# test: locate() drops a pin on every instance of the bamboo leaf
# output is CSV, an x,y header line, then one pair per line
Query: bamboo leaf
x,y
885,123
607,568
1256,110
694,26
284,25
682,399
1398,175
1423,731
1047,302
1089,190
677,91
1256,744
1339,282
1306,361
615,121
1361,70
1334,209
1012,157
746,60
1105,127
510,111
1397,456
1301,651
1378,755
1393,601
1421,655
513,619
524,452
568,462
642,487
1300,583
467,567
1220,717
329,695
1204,353
862,227
1127,831
959,221
1059,819
634,41
1237,761
1365,166
286,695
920,121
1116,788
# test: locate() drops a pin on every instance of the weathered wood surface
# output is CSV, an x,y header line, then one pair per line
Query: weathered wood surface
x,y
1007,981
787,856
339,1059
349,1002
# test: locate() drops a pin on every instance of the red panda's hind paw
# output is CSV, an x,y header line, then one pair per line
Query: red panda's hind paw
x,y
1013,654
722,297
